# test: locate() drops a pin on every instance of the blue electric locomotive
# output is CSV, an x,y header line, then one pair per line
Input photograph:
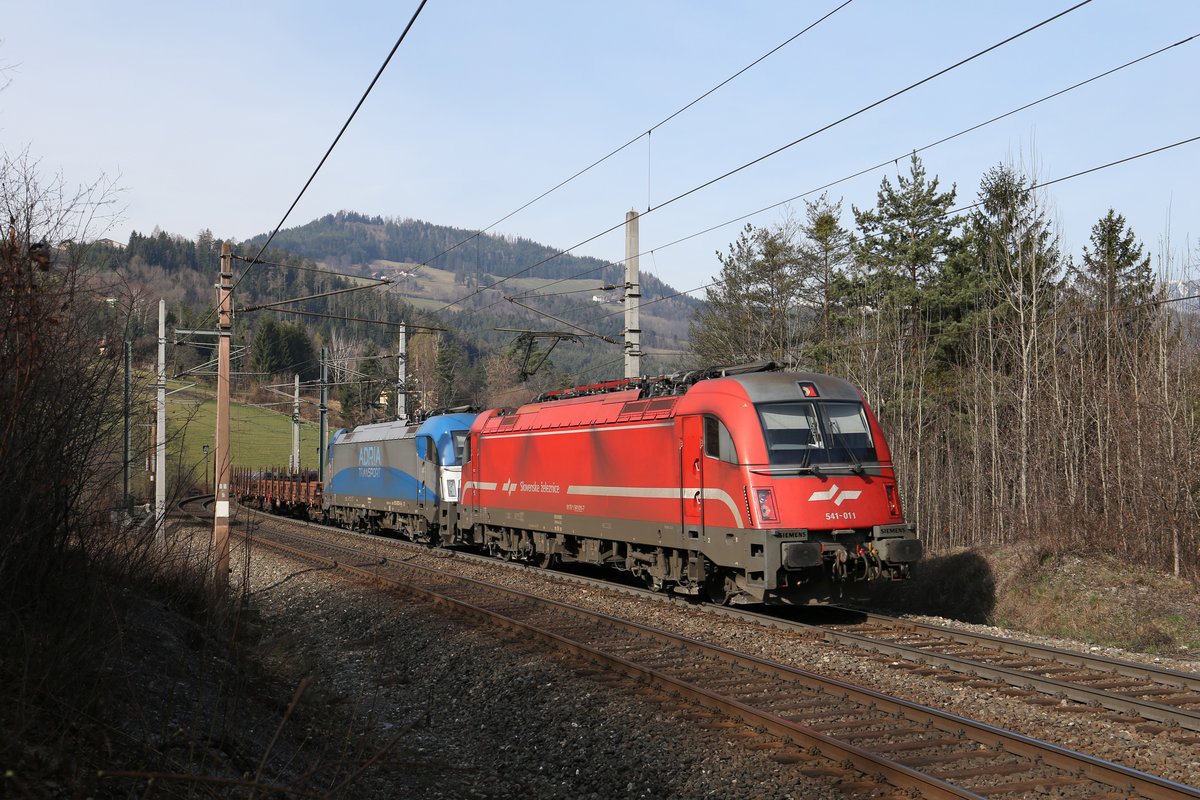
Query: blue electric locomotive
x,y
397,478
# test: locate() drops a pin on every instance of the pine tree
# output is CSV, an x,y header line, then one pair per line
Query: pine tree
x,y
904,241
1017,248
302,356
268,353
450,364
754,313
1114,274
826,248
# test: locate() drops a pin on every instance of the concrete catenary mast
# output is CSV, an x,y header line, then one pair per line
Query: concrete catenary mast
x,y
160,429
401,377
222,468
633,295
296,426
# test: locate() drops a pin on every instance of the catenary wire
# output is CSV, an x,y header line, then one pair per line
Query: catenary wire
x,y
999,326
337,138
302,268
880,165
635,139
778,150
916,337
324,158
955,211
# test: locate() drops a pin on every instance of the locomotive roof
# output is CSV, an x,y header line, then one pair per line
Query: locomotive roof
x,y
376,432
445,423
772,387
764,381
641,403
395,429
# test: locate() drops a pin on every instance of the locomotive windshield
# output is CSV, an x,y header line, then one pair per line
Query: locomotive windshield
x,y
805,433
460,446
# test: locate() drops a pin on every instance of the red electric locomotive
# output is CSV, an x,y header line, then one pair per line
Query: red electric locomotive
x,y
747,484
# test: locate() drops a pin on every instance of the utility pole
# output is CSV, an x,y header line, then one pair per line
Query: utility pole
x,y
152,453
296,427
633,295
160,427
127,496
222,463
401,379
324,409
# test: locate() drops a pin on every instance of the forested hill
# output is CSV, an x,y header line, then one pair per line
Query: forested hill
x,y
455,296
354,243
348,239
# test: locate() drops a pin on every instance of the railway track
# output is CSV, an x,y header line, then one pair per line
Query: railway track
x,y
915,748
1096,684
1153,699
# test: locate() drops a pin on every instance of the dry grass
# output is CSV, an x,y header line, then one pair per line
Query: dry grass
x,y
163,696
1088,597
1097,599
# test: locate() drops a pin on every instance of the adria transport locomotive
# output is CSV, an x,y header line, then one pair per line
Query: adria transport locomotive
x,y
744,485
397,477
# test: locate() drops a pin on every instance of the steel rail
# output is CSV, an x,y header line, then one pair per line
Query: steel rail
x,y
1112,775
870,763
1187,718
1169,715
1186,680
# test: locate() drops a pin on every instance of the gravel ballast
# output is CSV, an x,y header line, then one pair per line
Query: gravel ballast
x,y
481,714
491,717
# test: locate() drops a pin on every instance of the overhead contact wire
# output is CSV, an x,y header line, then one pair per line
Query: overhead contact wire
x,y
864,109
336,139
635,139
961,209
324,158
881,164
779,150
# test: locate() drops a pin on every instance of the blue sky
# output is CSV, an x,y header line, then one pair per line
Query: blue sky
x,y
214,115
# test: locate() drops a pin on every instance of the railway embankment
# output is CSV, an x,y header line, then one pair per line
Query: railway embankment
x,y
310,684
1080,597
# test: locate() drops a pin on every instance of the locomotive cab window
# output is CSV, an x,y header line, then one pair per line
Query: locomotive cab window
x,y
849,432
427,449
718,443
462,446
816,433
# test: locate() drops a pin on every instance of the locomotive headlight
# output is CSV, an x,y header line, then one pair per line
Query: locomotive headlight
x,y
766,505
893,505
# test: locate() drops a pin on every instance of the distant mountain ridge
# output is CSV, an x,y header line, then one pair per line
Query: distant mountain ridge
x,y
356,243
1178,290
348,239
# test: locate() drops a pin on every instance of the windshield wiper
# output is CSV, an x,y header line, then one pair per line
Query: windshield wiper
x,y
858,469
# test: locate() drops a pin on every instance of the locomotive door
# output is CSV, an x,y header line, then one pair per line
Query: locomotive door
x,y
427,474
691,476
472,460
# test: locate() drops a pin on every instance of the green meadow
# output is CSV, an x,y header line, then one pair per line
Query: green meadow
x,y
258,437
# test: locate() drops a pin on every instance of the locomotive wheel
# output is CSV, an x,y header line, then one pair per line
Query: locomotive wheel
x,y
546,560
719,588
653,583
